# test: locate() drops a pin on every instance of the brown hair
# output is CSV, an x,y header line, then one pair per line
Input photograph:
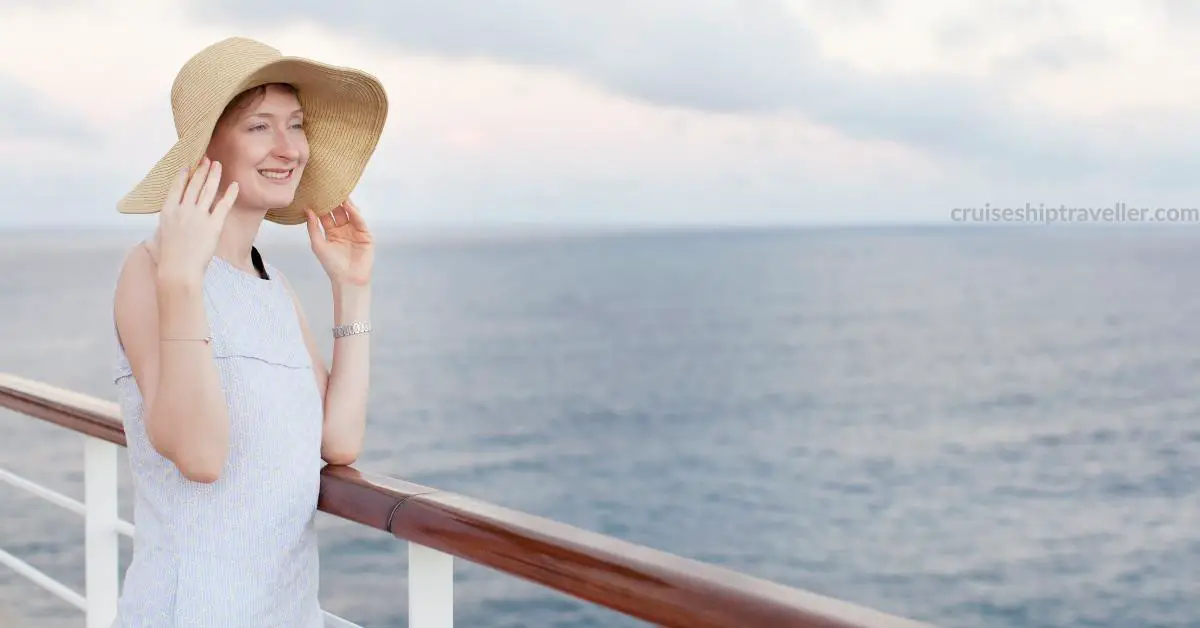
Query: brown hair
x,y
250,97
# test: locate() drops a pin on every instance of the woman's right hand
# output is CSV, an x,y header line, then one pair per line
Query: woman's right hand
x,y
190,225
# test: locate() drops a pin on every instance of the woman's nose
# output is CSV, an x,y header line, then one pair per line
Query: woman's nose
x,y
286,147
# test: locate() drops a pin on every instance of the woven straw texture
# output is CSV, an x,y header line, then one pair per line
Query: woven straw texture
x,y
344,113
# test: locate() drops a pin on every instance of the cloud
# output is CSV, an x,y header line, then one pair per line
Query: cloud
x,y
467,137
723,56
799,111
30,117
716,56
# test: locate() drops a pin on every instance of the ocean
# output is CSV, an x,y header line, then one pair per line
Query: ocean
x,y
978,428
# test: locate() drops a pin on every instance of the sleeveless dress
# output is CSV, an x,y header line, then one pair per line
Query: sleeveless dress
x,y
240,552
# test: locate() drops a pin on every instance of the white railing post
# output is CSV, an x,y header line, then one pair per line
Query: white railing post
x,y
101,548
430,588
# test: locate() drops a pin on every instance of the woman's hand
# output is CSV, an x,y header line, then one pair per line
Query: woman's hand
x,y
343,244
190,225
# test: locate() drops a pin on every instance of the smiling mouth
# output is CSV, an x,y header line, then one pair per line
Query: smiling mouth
x,y
277,176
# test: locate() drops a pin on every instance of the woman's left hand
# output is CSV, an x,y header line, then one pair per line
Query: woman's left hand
x,y
343,244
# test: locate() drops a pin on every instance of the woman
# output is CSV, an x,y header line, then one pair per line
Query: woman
x,y
229,410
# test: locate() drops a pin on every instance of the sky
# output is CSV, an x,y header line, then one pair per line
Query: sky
x,y
663,113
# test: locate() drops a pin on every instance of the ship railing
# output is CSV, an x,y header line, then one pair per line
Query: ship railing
x,y
438,526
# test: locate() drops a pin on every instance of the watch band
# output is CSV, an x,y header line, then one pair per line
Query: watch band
x,y
351,329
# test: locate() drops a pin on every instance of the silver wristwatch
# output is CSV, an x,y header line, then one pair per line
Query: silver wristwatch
x,y
350,329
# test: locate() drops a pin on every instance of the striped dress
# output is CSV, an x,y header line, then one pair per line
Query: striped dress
x,y
242,551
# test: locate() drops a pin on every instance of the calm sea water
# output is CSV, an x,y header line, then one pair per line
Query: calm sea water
x,y
973,428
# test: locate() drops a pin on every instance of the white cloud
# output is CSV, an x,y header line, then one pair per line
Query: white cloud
x,y
452,121
475,137
1091,58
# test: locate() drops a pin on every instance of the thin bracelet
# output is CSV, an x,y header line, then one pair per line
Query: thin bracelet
x,y
351,329
206,340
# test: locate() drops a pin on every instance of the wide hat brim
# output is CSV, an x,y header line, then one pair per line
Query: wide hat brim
x,y
344,114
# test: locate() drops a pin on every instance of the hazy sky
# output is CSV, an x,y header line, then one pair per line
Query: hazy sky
x,y
647,111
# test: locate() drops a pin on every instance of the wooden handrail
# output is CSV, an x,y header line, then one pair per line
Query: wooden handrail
x,y
635,580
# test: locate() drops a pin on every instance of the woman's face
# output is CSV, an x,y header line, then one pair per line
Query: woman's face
x,y
262,146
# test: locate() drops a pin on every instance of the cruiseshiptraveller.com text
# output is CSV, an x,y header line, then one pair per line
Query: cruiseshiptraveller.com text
x,y
1051,214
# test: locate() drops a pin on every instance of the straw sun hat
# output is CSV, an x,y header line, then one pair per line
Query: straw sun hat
x,y
344,113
